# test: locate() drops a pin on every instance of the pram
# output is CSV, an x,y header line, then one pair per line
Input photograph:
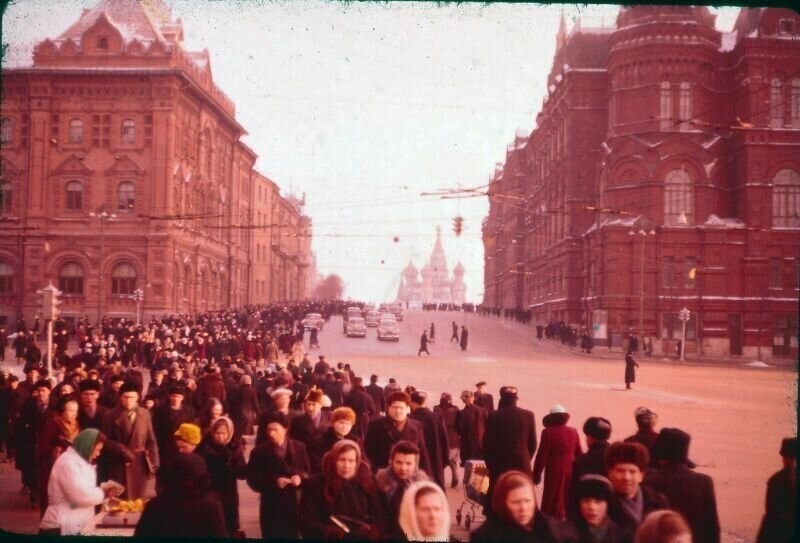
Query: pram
x,y
476,489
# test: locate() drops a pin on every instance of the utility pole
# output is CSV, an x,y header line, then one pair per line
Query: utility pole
x,y
103,216
644,235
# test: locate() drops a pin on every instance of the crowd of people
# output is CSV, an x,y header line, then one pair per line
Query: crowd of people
x,y
164,411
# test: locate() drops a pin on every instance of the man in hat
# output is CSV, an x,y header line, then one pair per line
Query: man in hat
x,y
482,398
309,427
321,367
690,493
362,404
510,438
448,413
779,521
90,414
131,429
626,464
34,414
646,434
378,395
276,470
423,344
167,419
210,385
597,431
454,335
464,338
557,452
281,400
630,369
384,432
470,426
435,433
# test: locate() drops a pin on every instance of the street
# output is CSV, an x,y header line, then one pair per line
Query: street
x,y
736,416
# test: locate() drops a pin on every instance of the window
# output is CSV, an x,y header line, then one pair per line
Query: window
x,y
786,199
123,279
668,272
796,102
786,26
685,105
76,131
672,327
70,278
74,196
101,130
6,131
665,110
678,198
775,273
127,196
6,278
776,104
128,131
690,272
5,196
102,43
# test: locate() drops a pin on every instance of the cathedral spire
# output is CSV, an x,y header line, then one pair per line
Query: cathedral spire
x,y
561,37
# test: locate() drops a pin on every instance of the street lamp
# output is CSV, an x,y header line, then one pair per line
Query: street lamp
x,y
684,315
103,216
138,296
641,232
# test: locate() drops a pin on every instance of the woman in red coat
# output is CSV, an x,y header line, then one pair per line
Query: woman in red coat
x,y
559,446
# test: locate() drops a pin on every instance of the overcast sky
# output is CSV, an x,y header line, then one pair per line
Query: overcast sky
x,y
363,106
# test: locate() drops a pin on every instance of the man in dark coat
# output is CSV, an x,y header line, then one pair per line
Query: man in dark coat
x,y
470,425
630,370
646,435
32,417
780,521
689,493
597,430
448,413
435,435
309,428
423,344
483,398
210,385
464,338
130,428
396,426
510,438
378,396
362,404
454,335
276,470
626,464
90,414
166,421
109,397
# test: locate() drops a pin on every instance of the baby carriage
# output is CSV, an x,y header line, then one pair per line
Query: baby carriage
x,y
476,489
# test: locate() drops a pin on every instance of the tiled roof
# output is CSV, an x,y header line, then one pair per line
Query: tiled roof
x,y
130,17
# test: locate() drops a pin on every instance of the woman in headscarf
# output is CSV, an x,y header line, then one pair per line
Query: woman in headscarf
x,y
664,526
424,513
72,490
344,490
58,433
224,458
516,518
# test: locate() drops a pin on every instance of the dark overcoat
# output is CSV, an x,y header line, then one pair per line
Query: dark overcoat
x,y
96,422
559,447
138,441
485,400
303,430
780,521
630,368
352,501
182,517
226,465
653,501
278,511
471,425
166,422
448,414
497,530
245,411
592,461
382,434
362,403
436,440
691,494
378,397
509,441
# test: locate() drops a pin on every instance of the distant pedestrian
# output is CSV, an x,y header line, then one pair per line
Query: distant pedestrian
x,y
454,336
423,344
433,333
313,339
630,370
464,336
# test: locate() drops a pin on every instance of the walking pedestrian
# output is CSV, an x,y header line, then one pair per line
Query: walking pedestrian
x,y
423,344
630,370
464,336
559,447
646,435
435,433
454,336
470,425
433,333
448,413
482,398
778,525
592,524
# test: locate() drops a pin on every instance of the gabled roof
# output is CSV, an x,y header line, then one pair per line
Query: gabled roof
x,y
130,17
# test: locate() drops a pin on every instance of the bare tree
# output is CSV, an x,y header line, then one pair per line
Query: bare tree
x,y
330,288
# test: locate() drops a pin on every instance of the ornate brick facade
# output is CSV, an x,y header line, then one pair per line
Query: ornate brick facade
x,y
664,172
122,168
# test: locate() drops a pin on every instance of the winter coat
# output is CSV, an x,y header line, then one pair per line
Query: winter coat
x,y
648,439
378,397
85,421
485,400
278,512
630,368
210,386
653,501
692,495
448,414
509,441
51,443
382,434
352,501
559,447
592,461
226,465
359,401
391,491
27,429
245,411
577,531
303,430
329,439
436,440
166,422
497,530
73,493
471,426
779,521
138,447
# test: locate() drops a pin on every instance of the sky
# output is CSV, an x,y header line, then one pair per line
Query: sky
x,y
363,107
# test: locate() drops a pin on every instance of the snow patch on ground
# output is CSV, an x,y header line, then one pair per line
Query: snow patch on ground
x,y
756,364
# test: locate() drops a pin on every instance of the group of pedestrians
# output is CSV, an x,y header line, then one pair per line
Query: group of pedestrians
x,y
429,336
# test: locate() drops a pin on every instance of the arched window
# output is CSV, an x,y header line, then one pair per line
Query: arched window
x,y
786,199
127,196
6,278
70,278
665,105
76,131
6,194
678,200
776,104
128,131
123,279
685,104
74,196
6,130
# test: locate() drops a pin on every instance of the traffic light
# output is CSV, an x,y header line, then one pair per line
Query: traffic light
x,y
49,302
458,225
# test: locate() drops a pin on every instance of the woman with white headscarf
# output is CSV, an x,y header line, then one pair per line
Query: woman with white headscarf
x,y
424,513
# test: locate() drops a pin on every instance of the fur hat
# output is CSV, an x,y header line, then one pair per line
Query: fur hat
x,y
190,433
508,392
314,395
177,389
597,428
626,453
276,417
343,413
398,396
480,384
127,386
419,397
43,383
594,486
89,384
672,445
789,447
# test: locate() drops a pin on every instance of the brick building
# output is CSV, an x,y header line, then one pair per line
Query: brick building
x,y
122,169
663,173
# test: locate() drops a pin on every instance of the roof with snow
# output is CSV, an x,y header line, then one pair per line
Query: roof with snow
x,y
134,20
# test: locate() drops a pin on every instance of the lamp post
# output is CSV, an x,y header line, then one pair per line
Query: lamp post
x,y
684,315
641,232
103,216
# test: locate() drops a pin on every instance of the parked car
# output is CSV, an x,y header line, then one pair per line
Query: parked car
x,y
372,318
388,330
355,327
313,320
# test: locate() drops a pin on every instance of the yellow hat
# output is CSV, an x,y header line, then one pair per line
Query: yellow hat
x,y
190,433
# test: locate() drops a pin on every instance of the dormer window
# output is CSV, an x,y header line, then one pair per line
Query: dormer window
x,y
102,43
786,26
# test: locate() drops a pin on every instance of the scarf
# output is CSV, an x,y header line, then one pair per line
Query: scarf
x,y
84,442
